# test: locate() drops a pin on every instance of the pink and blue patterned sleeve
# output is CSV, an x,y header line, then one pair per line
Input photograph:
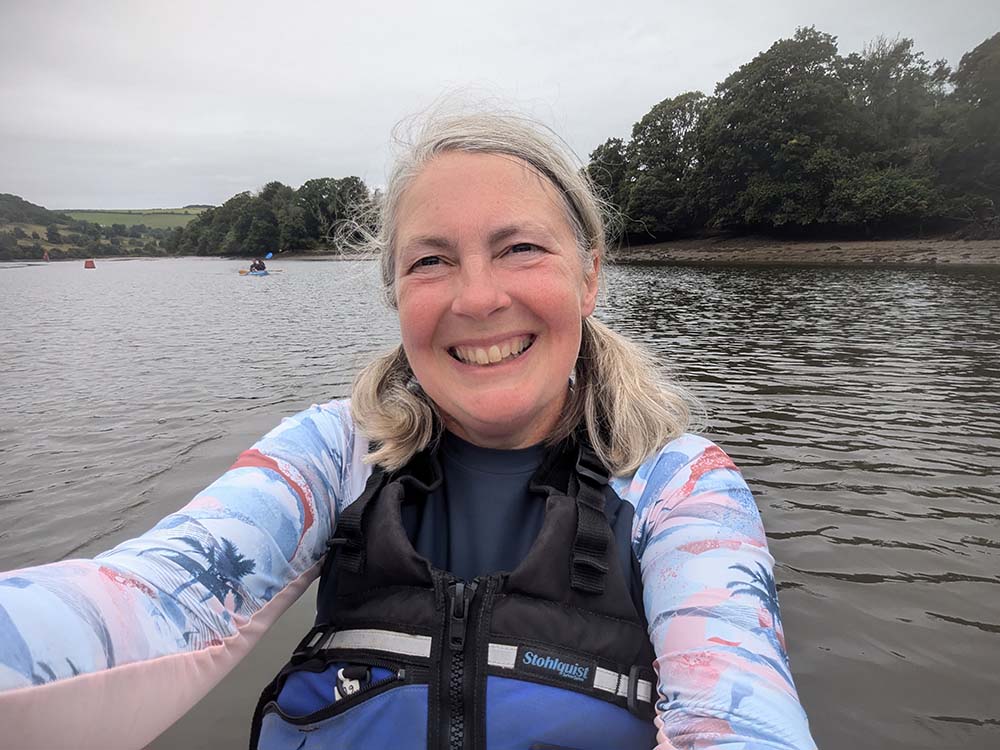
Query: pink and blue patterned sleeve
x,y
109,652
712,605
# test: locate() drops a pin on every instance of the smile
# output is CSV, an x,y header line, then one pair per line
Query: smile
x,y
502,352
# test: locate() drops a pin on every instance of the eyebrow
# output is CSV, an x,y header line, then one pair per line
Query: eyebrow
x,y
432,241
495,237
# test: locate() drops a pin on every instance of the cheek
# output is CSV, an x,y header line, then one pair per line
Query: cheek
x,y
417,318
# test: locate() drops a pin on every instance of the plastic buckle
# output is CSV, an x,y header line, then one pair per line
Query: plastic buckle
x,y
592,470
633,692
310,645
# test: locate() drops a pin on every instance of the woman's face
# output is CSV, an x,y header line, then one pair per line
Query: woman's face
x,y
491,295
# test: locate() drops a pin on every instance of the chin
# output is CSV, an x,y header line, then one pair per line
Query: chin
x,y
504,422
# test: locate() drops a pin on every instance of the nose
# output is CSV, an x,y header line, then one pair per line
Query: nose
x,y
478,293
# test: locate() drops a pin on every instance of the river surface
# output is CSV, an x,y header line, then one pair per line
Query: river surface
x,y
863,406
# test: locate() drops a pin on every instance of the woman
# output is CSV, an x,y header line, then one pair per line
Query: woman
x,y
486,585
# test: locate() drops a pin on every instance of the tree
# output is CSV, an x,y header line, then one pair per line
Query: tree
x,y
606,170
897,94
773,139
970,165
328,202
288,215
884,197
662,159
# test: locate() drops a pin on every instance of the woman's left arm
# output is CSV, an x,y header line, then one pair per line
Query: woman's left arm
x,y
712,605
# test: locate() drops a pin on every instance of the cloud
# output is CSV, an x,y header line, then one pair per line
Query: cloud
x,y
138,104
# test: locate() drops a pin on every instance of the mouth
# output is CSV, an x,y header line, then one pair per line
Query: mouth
x,y
505,351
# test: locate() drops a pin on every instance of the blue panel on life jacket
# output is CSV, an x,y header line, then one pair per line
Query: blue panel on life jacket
x,y
305,693
525,714
396,718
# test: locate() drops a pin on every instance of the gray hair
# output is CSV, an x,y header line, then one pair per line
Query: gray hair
x,y
490,133
630,410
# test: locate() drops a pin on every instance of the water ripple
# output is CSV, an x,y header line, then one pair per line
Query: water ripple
x,y
861,406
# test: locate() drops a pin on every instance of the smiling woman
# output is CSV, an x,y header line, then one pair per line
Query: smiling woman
x,y
517,544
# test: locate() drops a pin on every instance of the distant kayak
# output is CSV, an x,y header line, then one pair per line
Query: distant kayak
x,y
244,272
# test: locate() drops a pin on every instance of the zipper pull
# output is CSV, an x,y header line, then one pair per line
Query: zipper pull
x,y
349,680
461,596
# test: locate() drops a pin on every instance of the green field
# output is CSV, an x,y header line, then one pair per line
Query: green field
x,y
160,218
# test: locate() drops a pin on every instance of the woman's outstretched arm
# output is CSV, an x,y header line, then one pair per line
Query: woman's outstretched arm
x,y
712,605
110,652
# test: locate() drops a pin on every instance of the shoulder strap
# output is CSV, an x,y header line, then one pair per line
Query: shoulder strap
x,y
348,539
590,545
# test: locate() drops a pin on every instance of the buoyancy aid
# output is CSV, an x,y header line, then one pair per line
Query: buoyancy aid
x,y
552,655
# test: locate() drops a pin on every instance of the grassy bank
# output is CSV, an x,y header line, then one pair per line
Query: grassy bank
x,y
158,218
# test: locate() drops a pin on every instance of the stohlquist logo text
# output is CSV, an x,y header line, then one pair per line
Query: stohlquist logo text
x,y
572,671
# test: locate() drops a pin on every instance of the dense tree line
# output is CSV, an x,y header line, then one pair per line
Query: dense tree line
x,y
803,139
277,219
28,231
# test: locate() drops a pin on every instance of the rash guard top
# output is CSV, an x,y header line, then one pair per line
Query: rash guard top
x,y
482,519
120,646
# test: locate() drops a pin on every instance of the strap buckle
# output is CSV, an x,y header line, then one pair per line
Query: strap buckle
x,y
310,645
589,466
636,705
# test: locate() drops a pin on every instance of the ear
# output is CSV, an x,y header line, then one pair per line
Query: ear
x,y
591,283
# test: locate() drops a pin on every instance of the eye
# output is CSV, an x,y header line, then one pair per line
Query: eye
x,y
426,262
524,247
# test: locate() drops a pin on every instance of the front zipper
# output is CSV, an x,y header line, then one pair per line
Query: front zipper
x,y
459,602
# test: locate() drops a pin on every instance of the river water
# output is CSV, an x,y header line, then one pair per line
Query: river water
x,y
863,406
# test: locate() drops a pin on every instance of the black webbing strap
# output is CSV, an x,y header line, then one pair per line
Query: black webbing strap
x,y
348,541
589,564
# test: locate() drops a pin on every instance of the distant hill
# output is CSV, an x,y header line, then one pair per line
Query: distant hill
x,y
29,232
14,208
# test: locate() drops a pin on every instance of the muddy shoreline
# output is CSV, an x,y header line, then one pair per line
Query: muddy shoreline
x,y
766,251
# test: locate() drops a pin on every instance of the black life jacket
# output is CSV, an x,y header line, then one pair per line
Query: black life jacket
x,y
553,655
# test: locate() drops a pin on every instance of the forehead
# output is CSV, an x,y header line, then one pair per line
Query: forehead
x,y
462,190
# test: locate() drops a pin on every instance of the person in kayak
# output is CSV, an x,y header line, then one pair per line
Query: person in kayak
x,y
258,265
518,543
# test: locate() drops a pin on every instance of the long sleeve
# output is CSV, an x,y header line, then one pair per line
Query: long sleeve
x,y
109,652
712,605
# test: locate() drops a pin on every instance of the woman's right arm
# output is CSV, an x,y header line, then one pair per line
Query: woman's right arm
x,y
110,652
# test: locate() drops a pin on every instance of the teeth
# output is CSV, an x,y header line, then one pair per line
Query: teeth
x,y
494,354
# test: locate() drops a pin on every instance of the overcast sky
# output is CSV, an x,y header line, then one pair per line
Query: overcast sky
x,y
147,104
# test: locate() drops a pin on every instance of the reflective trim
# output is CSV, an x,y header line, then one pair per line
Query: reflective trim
x,y
382,640
644,691
502,655
505,657
608,681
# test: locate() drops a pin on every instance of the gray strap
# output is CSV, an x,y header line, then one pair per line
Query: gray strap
x,y
504,656
391,642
